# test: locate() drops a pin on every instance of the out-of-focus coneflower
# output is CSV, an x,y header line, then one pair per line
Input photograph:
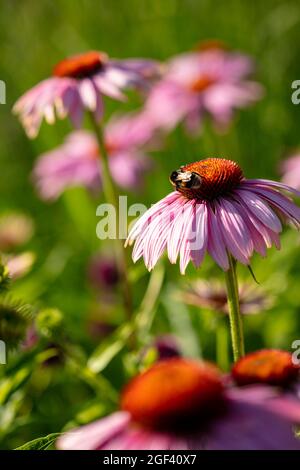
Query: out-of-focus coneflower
x,y
266,366
19,265
166,346
181,404
78,83
212,295
212,81
77,162
290,169
215,209
103,272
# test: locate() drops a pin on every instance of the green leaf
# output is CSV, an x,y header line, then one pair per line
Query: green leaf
x,y
107,350
41,443
11,384
82,211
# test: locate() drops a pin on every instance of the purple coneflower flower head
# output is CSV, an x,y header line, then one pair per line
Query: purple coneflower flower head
x,y
290,169
213,209
266,366
76,162
212,295
78,83
181,404
213,81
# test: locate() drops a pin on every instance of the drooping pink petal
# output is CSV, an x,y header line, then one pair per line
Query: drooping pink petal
x,y
260,210
95,435
216,245
234,231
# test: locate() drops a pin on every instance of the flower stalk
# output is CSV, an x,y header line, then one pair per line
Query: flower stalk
x,y
110,194
236,325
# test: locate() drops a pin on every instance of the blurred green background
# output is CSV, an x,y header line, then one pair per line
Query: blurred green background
x,y
36,35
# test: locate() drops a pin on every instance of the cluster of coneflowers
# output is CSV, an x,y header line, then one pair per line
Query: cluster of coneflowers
x,y
177,403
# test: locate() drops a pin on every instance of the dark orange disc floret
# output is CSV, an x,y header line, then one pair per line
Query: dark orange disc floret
x,y
173,392
202,83
267,366
80,66
211,45
207,179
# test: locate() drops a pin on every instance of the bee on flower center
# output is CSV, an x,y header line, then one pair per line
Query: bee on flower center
x,y
207,179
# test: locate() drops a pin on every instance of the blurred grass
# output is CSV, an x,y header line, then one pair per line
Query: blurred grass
x,y
34,36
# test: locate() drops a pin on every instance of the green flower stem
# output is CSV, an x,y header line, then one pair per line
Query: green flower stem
x,y
236,325
145,315
110,194
222,356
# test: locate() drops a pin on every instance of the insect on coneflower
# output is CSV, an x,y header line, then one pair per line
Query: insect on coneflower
x,y
183,404
78,83
215,209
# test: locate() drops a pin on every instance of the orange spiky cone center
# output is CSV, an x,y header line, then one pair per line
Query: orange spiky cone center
x,y
268,366
202,83
81,65
173,392
207,179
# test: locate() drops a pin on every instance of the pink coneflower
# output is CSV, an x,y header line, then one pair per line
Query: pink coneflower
x,y
78,83
76,162
291,171
212,295
214,209
266,366
211,81
181,404
19,265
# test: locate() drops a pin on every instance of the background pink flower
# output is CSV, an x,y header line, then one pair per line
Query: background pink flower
x,y
76,162
290,169
78,83
212,295
214,81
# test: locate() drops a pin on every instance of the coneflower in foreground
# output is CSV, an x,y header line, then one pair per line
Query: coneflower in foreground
x,y
182,404
215,209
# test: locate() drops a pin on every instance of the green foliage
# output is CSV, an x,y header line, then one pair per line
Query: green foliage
x,y
41,443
